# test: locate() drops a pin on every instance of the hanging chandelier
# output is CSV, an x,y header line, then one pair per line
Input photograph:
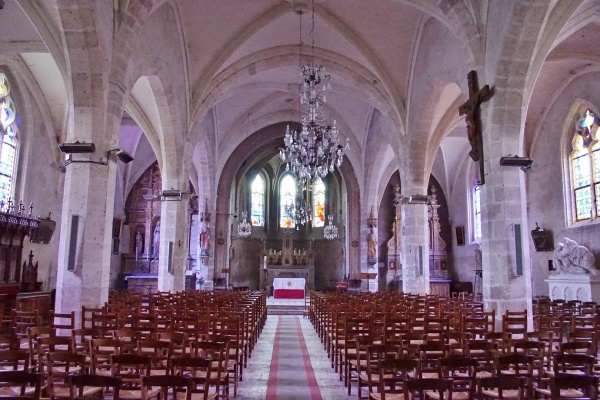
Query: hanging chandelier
x,y
244,227
314,150
330,232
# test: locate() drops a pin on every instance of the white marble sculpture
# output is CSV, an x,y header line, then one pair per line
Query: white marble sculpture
x,y
571,258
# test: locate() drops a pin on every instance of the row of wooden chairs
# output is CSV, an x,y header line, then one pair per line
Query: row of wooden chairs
x,y
347,324
234,321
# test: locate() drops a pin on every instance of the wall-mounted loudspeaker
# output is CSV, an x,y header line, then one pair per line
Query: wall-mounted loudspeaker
x,y
73,243
518,249
170,259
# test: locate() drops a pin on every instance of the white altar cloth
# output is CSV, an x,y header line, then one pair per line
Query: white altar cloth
x,y
289,288
289,283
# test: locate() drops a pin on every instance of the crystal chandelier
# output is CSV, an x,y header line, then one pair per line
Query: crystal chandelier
x,y
314,150
244,227
330,231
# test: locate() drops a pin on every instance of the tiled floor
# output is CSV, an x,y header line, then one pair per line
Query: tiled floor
x,y
256,376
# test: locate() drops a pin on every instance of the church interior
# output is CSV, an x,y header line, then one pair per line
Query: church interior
x,y
148,147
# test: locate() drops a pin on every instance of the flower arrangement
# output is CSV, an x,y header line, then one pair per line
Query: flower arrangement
x,y
200,281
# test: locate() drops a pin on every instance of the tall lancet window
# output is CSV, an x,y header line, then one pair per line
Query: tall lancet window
x,y
476,211
318,204
585,168
287,197
8,151
258,201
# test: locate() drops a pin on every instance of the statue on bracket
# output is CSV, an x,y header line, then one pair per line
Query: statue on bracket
x,y
571,258
156,239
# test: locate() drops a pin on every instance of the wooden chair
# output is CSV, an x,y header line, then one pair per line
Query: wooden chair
x,y
576,364
517,365
160,353
568,386
158,386
62,320
502,387
205,382
20,385
131,368
515,323
101,351
14,360
79,384
393,373
504,340
59,365
218,352
462,372
430,354
438,388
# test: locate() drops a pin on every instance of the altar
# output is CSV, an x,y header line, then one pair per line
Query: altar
x,y
289,288
290,264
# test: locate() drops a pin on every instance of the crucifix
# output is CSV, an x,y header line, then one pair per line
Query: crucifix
x,y
470,109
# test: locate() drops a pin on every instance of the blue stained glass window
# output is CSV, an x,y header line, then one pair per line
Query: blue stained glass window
x,y
258,196
319,204
8,152
287,197
477,211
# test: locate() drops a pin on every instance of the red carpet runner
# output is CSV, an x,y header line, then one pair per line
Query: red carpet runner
x,y
291,375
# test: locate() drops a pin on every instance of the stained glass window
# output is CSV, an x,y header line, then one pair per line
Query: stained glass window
x,y
585,168
318,204
287,196
8,151
476,212
258,205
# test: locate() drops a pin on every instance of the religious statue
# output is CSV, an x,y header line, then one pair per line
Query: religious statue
x,y
204,237
156,239
571,258
478,256
139,243
371,244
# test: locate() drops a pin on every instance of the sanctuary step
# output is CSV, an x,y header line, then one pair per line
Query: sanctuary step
x,y
286,306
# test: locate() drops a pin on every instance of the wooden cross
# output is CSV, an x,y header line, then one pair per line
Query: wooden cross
x,y
470,109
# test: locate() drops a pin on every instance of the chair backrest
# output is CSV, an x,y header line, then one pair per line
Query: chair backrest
x,y
394,372
163,383
19,382
131,368
586,384
571,363
59,365
15,360
442,387
498,384
201,373
80,382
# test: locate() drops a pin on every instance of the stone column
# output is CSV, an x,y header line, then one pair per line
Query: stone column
x,y
173,245
89,193
415,245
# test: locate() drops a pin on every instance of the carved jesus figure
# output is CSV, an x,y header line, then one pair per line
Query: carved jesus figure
x,y
571,258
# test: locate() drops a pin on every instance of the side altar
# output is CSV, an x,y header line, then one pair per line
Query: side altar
x,y
292,261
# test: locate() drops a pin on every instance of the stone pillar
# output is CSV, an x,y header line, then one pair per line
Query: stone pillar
x,y
502,209
173,245
89,193
415,245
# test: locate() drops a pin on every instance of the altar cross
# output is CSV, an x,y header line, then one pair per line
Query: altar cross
x,y
471,110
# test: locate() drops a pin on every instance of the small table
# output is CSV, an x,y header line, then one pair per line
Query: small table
x,y
289,288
